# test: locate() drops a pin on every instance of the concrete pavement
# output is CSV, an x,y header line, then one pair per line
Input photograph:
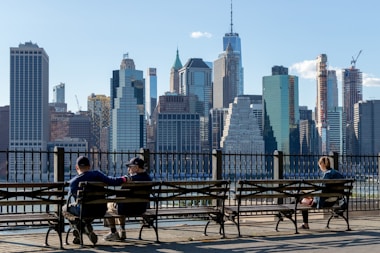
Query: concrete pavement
x,y
258,236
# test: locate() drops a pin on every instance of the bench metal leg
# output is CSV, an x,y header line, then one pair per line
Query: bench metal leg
x,y
336,214
148,222
57,229
289,215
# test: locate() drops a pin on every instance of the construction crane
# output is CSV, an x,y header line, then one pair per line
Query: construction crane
x,y
353,62
79,107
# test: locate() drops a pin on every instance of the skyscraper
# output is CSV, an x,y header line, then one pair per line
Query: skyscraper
x,y
128,128
321,106
195,82
281,112
150,92
233,40
59,103
336,130
174,76
226,78
98,107
29,100
332,90
59,93
352,93
366,124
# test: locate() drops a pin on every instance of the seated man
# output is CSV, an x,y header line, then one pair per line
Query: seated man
x,y
85,173
137,172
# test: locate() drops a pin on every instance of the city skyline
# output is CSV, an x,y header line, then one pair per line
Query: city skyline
x,y
85,46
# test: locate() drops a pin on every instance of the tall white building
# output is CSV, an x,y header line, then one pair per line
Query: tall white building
x,y
29,106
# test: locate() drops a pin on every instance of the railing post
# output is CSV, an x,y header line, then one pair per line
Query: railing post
x,y
59,164
278,165
334,156
216,164
146,158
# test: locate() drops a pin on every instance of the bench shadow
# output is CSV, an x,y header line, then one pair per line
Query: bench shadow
x,y
316,242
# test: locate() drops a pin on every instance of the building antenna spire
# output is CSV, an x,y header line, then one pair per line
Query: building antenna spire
x,y
231,19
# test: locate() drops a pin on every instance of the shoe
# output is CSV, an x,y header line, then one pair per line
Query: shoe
x,y
89,231
123,235
304,227
112,237
76,235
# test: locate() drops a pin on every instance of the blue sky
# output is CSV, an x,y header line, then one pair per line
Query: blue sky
x,y
86,39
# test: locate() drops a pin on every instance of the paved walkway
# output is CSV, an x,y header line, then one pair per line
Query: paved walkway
x,y
258,236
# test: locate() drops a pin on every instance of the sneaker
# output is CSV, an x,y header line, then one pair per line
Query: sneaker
x,y
123,235
89,231
304,226
76,235
112,237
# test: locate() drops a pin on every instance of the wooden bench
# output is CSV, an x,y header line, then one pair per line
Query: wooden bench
x,y
191,199
93,194
33,204
281,198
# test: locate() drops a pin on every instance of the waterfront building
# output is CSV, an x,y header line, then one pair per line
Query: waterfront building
x,y
29,105
321,104
174,75
217,121
232,38
98,107
226,78
352,93
336,125
281,112
59,98
150,93
176,129
241,135
72,147
366,127
195,82
308,132
4,139
128,128
332,90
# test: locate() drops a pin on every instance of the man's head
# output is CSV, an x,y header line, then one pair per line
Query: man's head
x,y
135,165
82,164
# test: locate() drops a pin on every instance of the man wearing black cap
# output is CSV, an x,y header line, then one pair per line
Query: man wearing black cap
x,y
85,173
137,172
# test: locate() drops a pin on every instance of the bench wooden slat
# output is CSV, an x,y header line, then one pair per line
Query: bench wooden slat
x,y
259,192
44,200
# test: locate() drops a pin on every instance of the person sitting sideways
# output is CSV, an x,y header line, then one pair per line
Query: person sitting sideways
x,y
136,172
320,202
84,173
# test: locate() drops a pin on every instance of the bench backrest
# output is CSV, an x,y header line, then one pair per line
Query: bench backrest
x,y
31,197
190,193
98,193
276,190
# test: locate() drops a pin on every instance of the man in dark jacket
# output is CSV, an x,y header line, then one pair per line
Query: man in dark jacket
x,y
137,172
85,173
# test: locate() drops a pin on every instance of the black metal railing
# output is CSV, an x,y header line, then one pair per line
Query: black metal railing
x,y
59,165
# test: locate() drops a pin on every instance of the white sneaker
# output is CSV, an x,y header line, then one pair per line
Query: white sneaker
x,y
122,235
112,236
